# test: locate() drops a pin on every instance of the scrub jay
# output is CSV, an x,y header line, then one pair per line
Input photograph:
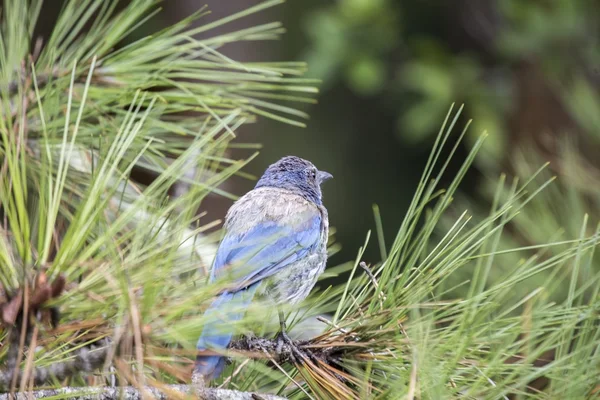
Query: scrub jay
x,y
275,245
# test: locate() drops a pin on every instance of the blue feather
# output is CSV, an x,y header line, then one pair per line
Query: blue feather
x,y
265,249
214,336
246,260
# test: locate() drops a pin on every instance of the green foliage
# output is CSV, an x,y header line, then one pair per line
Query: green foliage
x,y
537,28
78,115
418,57
350,38
411,330
82,101
437,78
490,342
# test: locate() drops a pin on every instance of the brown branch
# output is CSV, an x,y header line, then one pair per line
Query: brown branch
x,y
130,393
282,352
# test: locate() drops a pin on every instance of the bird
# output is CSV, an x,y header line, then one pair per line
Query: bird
x,y
275,246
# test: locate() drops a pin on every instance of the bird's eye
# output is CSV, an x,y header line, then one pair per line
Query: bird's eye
x,y
313,174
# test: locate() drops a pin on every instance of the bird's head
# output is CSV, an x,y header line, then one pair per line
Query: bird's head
x,y
297,175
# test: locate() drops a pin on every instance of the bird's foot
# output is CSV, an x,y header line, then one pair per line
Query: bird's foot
x,y
285,344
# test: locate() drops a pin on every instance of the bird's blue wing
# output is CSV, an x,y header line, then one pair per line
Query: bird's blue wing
x,y
264,249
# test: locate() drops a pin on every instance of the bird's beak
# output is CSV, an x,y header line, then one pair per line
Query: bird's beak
x,y
323,176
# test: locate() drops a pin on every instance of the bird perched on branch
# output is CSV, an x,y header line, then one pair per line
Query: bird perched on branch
x,y
275,245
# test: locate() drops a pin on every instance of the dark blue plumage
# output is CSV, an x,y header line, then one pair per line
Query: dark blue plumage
x,y
275,245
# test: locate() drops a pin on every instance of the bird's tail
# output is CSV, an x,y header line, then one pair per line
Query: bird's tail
x,y
217,334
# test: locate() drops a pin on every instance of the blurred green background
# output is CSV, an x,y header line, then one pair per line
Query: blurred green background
x,y
528,73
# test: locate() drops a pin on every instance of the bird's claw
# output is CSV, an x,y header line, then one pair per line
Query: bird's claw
x,y
287,345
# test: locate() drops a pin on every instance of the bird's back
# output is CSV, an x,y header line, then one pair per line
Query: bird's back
x,y
263,206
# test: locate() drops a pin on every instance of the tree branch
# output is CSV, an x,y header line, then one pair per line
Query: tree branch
x,y
287,352
131,393
86,360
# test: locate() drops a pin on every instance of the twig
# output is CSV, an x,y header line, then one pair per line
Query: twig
x,y
29,361
131,393
412,385
328,322
380,294
489,380
234,374
22,338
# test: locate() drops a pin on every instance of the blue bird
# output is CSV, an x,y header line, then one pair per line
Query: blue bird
x,y
275,245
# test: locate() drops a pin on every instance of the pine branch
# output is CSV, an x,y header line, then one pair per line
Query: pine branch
x,y
297,352
131,393
86,360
